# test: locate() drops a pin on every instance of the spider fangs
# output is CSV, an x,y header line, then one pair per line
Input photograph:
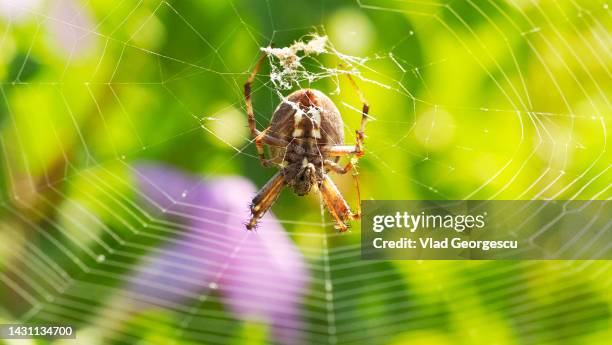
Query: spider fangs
x,y
306,140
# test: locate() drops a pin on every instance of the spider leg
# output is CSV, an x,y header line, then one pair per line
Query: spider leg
x,y
332,197
359,134
264,138
247,97
260,137
357,149
343,170
337,206
357,215
342,150
265,198
337,168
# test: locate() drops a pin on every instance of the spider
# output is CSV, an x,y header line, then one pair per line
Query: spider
x,y
306,140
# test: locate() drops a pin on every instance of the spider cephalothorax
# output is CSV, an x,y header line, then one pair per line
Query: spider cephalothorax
x,y
306,137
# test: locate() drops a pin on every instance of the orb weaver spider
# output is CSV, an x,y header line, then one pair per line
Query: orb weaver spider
x,y
306,140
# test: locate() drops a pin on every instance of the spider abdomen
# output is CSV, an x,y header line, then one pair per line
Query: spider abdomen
x,y
308,113
307,119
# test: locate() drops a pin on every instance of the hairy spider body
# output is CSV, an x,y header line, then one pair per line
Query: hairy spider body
x,y
305,139
307,120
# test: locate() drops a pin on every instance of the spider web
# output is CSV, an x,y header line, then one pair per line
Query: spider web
x,y
518,142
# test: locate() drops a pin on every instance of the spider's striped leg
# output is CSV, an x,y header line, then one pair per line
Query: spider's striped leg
x,y
345,150
247,97
265,198
364,117
357,216
337,168
264,138
337,206
343,170
342,150
356,151
260,137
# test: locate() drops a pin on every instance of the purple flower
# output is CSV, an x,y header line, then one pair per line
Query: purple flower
x,y
72,28
260,274
19,10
